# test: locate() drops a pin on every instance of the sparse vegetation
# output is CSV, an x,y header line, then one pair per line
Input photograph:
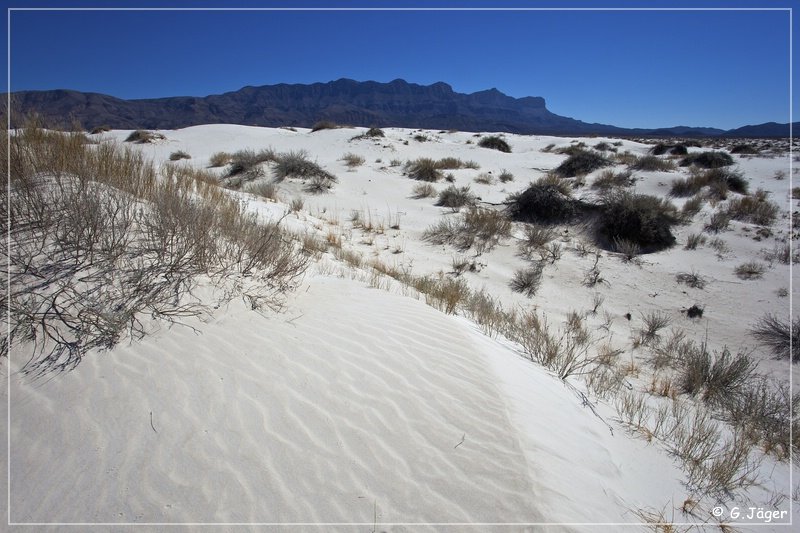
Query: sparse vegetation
x,y
653,163
423,190
178,155
580,163
528,280
750,270
352,160
638,218
455,197
324,125
423,169
775,334
756,209
144,137
478,227
219,159
707,159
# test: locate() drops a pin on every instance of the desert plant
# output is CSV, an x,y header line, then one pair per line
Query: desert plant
x,y
478,227
543,202
352,160
744,149
455,197
652,323
718,221
692,279
707,159
653,163
755,209
297,165
219,159
638,218
100,129
144,137
178,155
691,207
693,240
264,189
627,249
324,125
495,143
423,190
781,340
535,237
581,163
608,179
484,178
423,169
750,270
528,280
505,176
717,380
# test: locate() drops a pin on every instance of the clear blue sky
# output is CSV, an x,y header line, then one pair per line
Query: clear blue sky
x,y
628,68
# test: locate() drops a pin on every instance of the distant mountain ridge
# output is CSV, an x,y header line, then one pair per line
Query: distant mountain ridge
x,y
397,103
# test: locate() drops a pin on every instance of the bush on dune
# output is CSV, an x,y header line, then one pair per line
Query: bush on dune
x,y
638,218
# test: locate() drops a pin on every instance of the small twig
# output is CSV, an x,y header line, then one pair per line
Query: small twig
x,y
151,422
462,441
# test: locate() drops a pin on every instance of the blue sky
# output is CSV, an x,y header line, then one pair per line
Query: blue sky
x,y
628,68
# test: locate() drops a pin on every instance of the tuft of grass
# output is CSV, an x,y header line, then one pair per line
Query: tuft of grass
x,y
535,237
754,209
653,163
144,137
717,380
750,270
693,240
484,178
627,249
528,280
495,143
455,197
653,322
264,189
775,334
352,160
692,279
608,179
423,190
478,227
219,159
423,169
580,163
707,159
505,176
178,155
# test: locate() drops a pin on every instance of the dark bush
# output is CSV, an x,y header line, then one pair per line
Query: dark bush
x,y
581,163
100,129
374,132
744,149
694,311
707,159
660,149
542,202
638,218
495,143
324,125
679,149
778,337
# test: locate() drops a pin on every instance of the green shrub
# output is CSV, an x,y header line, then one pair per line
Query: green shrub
x,y
638,218
495,143
581,163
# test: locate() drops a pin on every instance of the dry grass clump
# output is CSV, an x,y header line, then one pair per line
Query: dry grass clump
x,y
456,197
324,125
653,163
718,181
100,129
423,190
756,209
495,143
505,176
692,279
264,189
102,242
608,180
528,280
781,340
536,237
716,380
564,352
423,169
372,133
484,178
246,166
693,240
178,155
478,227
352,160
144,137
750,270
580,163
652,323
219,159
296,164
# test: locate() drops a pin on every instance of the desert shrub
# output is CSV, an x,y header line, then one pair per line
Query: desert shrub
x,y
484,178
693,240
318,184
245,166
478,227
447,294
608,179
774,334
695,311
144,136
679,149
653,163
581,163
627,249
602,146
324,125
564,352
719,180
543,201
659,149
178,155
755,209
449,163
691,207
352,160
100,129
455,197
298,165
495,143
717,380
423,190
750,270
423,169
733,180
652,323
744,149
638,218
528,280
219,159
264,189
718,221
692,279
505,176
536,237
707,159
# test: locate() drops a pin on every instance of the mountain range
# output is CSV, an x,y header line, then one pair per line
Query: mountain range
x,y
397,103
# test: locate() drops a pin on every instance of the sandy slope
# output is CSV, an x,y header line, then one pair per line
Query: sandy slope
x,y
351,406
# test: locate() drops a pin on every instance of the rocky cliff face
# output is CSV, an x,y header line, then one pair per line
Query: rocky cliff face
x,y
397,103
